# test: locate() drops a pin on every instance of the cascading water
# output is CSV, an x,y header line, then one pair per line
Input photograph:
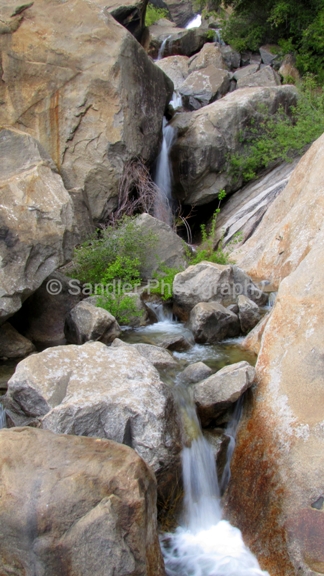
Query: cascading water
x,y
162,48
163,176
204,544
176,101
2,417
195,22
230,431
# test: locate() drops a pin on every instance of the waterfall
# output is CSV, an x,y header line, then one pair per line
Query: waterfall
x,y
2,417
161,313
163,176
204,544
195,22
176,101
162,47
231,433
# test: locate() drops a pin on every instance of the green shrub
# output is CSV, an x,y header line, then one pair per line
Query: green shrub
x,y
280,137
154,14
164,276
123,307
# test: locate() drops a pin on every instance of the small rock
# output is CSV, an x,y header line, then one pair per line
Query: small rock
x,y
268,54
249,313
211,322
219,391
87,322
13,344
195,372
176,343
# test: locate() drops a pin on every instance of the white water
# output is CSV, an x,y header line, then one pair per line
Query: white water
x,y
230,431
204,544
2,417
163,314
162,47
163,175
195,22
176,102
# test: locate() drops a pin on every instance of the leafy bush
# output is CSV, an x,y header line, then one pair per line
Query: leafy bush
x,y
154,14
164,277
123,307
280,137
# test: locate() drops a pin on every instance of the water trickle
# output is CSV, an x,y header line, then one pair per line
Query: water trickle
x,y
2,417
162,313
163,175
176,101
195,22
163,47
204,544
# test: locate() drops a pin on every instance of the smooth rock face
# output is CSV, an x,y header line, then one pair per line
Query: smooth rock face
x,y
159,357
75,506
195,372
95,390
209,282
167,248
218,392
206,137
77,67
209,55
176,67
249,313
290,227
266,76
279,455
204,86
87,322
211,322
36,220
13,344
245,71
253,340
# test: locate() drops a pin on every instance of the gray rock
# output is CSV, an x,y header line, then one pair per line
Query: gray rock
x,y
267,55
267,76
211,322
245,71
176,68
221,390
95,390
209,55
87,322
37,221
158,356
249,313
208,136
176,343
13,344
195,372
205,86
231,57
209,282
168,249
79,495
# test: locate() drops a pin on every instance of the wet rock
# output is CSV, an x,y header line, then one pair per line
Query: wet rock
x,y
249,313
95,390
37,220
291,225
71,89
209,282
211,322
208,136
209,55
176,67
218,392
87,322
91,505
158,356
13,344
266,76
195,372
253,340
176,343
167,248
219,441
204,86
179,41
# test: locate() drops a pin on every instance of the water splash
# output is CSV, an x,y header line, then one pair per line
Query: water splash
x,y
163,175
162,313
204,544
3,423
163,47
195,22
176,101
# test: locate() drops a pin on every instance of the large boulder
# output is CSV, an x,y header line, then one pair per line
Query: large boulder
x,y
36,220
176,67
218,392
209,55
207,137
211,322
204,86
95,390
249,313
278,466
77,68
13,344
87,322
209,282
164,34
266,76
167,249
291,225
75,506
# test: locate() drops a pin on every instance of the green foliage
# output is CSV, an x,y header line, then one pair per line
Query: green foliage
x,y
122,306
280,137
154,14
164,277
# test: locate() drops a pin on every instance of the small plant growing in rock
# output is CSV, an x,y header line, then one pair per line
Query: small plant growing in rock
x,y
206,251
153,14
